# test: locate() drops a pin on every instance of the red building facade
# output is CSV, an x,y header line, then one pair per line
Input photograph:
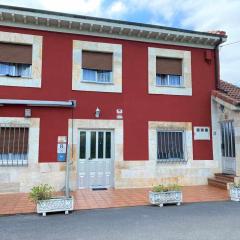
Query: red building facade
x,y
144,108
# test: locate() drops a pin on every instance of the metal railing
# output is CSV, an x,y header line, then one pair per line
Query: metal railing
x,y
13,145
170,147
228,139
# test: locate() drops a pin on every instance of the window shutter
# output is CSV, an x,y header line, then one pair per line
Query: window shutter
x,y
169,66
15,53
14,140
97,60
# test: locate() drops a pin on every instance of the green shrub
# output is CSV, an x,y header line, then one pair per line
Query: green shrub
x,y
41,192
170,187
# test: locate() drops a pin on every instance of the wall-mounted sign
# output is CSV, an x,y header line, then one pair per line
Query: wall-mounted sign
x,y
62,148
201,133
119,113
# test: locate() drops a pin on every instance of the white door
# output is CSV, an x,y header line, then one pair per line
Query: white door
x,y
95,164
228,147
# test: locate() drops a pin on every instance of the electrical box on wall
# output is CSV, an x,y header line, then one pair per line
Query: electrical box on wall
x,y
201,133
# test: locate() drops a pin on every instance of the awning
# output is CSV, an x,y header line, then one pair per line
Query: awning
x,y
38,103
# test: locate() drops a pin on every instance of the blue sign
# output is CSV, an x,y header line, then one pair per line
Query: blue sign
x,y
61,157
61,152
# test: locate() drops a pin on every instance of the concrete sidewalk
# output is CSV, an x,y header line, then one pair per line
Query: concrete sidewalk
x,y
88,199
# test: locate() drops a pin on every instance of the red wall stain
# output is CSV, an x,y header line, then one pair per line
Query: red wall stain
x,y
139,107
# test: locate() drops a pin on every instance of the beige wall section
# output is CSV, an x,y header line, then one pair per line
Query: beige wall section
x,y
77,84
186,89
36,42
229,113
23,178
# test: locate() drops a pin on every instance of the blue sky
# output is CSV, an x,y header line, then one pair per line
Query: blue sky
x,y
202,15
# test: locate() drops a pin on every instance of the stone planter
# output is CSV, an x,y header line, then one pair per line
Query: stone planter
x,y
234,193
56,204
160,198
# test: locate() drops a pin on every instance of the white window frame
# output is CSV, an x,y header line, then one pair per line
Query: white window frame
x,y
36,68
30,70
168,160
96,78
168,81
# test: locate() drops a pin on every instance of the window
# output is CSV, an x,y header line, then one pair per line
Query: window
x,y
15,60
15,70
13,145
168,80
97,67
170,146
97,76
169,72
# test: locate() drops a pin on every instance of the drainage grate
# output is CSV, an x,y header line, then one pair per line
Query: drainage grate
x,y
98,189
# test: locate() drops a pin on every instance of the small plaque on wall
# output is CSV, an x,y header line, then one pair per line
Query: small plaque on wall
x,y
201,133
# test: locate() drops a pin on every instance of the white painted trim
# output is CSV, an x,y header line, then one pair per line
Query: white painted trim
x,y
105,35
226,104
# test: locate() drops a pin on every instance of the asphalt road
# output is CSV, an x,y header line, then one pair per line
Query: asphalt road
x,y
203,221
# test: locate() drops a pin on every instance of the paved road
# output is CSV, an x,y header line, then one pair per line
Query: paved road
x,y
201,221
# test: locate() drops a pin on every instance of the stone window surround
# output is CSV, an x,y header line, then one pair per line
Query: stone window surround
x,y
33,148
186,89
154,126
78,84
36,42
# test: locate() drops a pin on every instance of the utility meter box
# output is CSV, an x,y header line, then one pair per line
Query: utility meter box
x,y
201,133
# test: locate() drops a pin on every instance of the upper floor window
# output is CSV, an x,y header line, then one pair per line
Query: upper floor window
x,y
13,145
97,67
169,72
15,60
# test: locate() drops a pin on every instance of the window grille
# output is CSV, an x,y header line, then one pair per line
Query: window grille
x,y
170,146
228,139
14,145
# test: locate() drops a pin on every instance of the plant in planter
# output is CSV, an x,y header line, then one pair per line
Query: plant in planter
x,y
161,194
42,195
234,191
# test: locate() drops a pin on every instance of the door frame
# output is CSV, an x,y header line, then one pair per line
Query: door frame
x,y
112,153
225,140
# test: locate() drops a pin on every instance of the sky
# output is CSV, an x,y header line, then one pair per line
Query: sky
x,y
200,15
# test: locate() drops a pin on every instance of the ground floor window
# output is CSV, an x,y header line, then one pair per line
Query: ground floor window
x,y
13,145
170,146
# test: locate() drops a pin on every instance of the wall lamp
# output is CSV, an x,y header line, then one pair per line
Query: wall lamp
x,y
97,112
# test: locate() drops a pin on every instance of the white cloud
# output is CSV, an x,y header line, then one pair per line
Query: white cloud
x,y
203,15
116,9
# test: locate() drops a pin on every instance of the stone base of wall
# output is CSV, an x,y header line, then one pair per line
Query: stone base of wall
x,y
128,174
22,179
